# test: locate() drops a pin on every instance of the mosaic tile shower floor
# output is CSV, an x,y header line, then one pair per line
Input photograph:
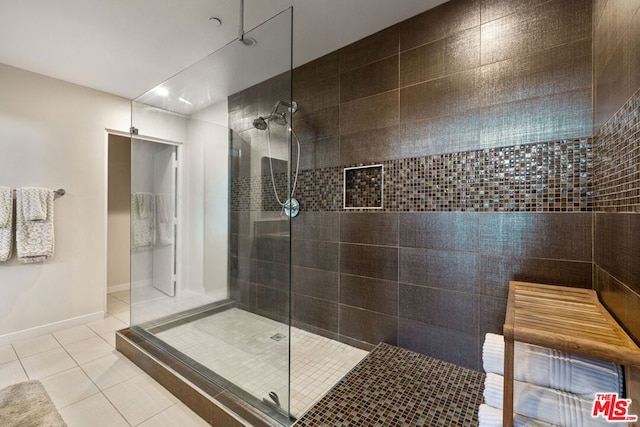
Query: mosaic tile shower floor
x,y
396,387
238,346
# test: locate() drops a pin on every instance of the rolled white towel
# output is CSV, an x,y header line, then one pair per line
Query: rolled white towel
x,y
545,404
555,369
488,416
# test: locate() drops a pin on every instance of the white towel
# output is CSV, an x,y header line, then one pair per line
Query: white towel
x,y
6,223
34,239
164,215
488,416
544,404
35,202
555,369
142,224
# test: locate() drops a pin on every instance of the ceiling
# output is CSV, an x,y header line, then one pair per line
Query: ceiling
x,y
126,47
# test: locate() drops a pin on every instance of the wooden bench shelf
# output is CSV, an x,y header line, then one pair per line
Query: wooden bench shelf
x,y
567,319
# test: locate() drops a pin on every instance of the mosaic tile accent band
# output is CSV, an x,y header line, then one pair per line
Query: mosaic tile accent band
x,y
617,160
552,176
397,387
363,187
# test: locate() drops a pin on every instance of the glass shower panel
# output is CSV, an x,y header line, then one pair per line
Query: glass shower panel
x,y
228,316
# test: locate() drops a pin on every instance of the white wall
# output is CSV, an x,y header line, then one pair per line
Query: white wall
x,y
52,134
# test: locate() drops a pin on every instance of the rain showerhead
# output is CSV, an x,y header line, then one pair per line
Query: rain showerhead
x,y
261,123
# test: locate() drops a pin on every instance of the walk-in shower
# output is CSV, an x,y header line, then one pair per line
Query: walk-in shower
x,y
228,122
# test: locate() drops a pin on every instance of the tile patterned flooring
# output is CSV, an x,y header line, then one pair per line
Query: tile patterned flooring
x,y
89,382
238,346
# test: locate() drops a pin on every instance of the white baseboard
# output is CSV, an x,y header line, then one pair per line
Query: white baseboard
x,y
50,328
117,288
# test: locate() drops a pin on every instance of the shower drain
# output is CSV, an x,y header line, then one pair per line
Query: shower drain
x,y
278,337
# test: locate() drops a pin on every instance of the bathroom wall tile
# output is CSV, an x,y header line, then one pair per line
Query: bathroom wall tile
x,y
272,302
316,226
315,283
440,22
271,226
315,254
559,116
612,244
369,228
319,313
444,96
494,9
442,343
370,146
550,24
315,94
240,245
319,69
438,269
370,49
444,308
598,9
444,231
372,294
612,26
621,301
422,63
634,53
612,85
319,153
243,292
462,51
378,111
240,268
377,77
270,274
379,262
240,223
558,69
272,249
368,326
317,124
550,235
438,135
495,272
634,250
492,315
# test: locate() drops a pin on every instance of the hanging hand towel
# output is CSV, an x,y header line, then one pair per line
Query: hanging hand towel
x,y
164,215
34,239
34,203
6,223
142,221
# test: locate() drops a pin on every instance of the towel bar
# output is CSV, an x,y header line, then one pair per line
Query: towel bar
x,y
57,193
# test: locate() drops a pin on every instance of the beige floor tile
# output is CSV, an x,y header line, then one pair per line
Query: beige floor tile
x,y
12,373
176,415
69,387
110,338
87,350
139,398
7,354
47,363
123,296
111,370
115,306
94,411
108,324
36,345
77,333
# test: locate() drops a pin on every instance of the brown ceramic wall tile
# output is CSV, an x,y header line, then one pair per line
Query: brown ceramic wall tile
x,y
370,49
319,69
444,308
440,22
495,272
315,254
611,29
272,302
317,125
240,223
559,69
423,63
314,95
634,250
442,343
316,226
439,230
550,24
370,146
377,77
272,249
438,135
378,111
564,236
559,116
315,283
379,262
368,326
620,301
612,86
244,293
492,315
462,51
494,9
240,245
442,97
316,312
240,268
319,153
371,294
612,244
438,269
369,228
634,54
598,9
270,274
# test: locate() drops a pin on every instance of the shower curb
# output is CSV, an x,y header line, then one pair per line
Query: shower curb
x,y
215,405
